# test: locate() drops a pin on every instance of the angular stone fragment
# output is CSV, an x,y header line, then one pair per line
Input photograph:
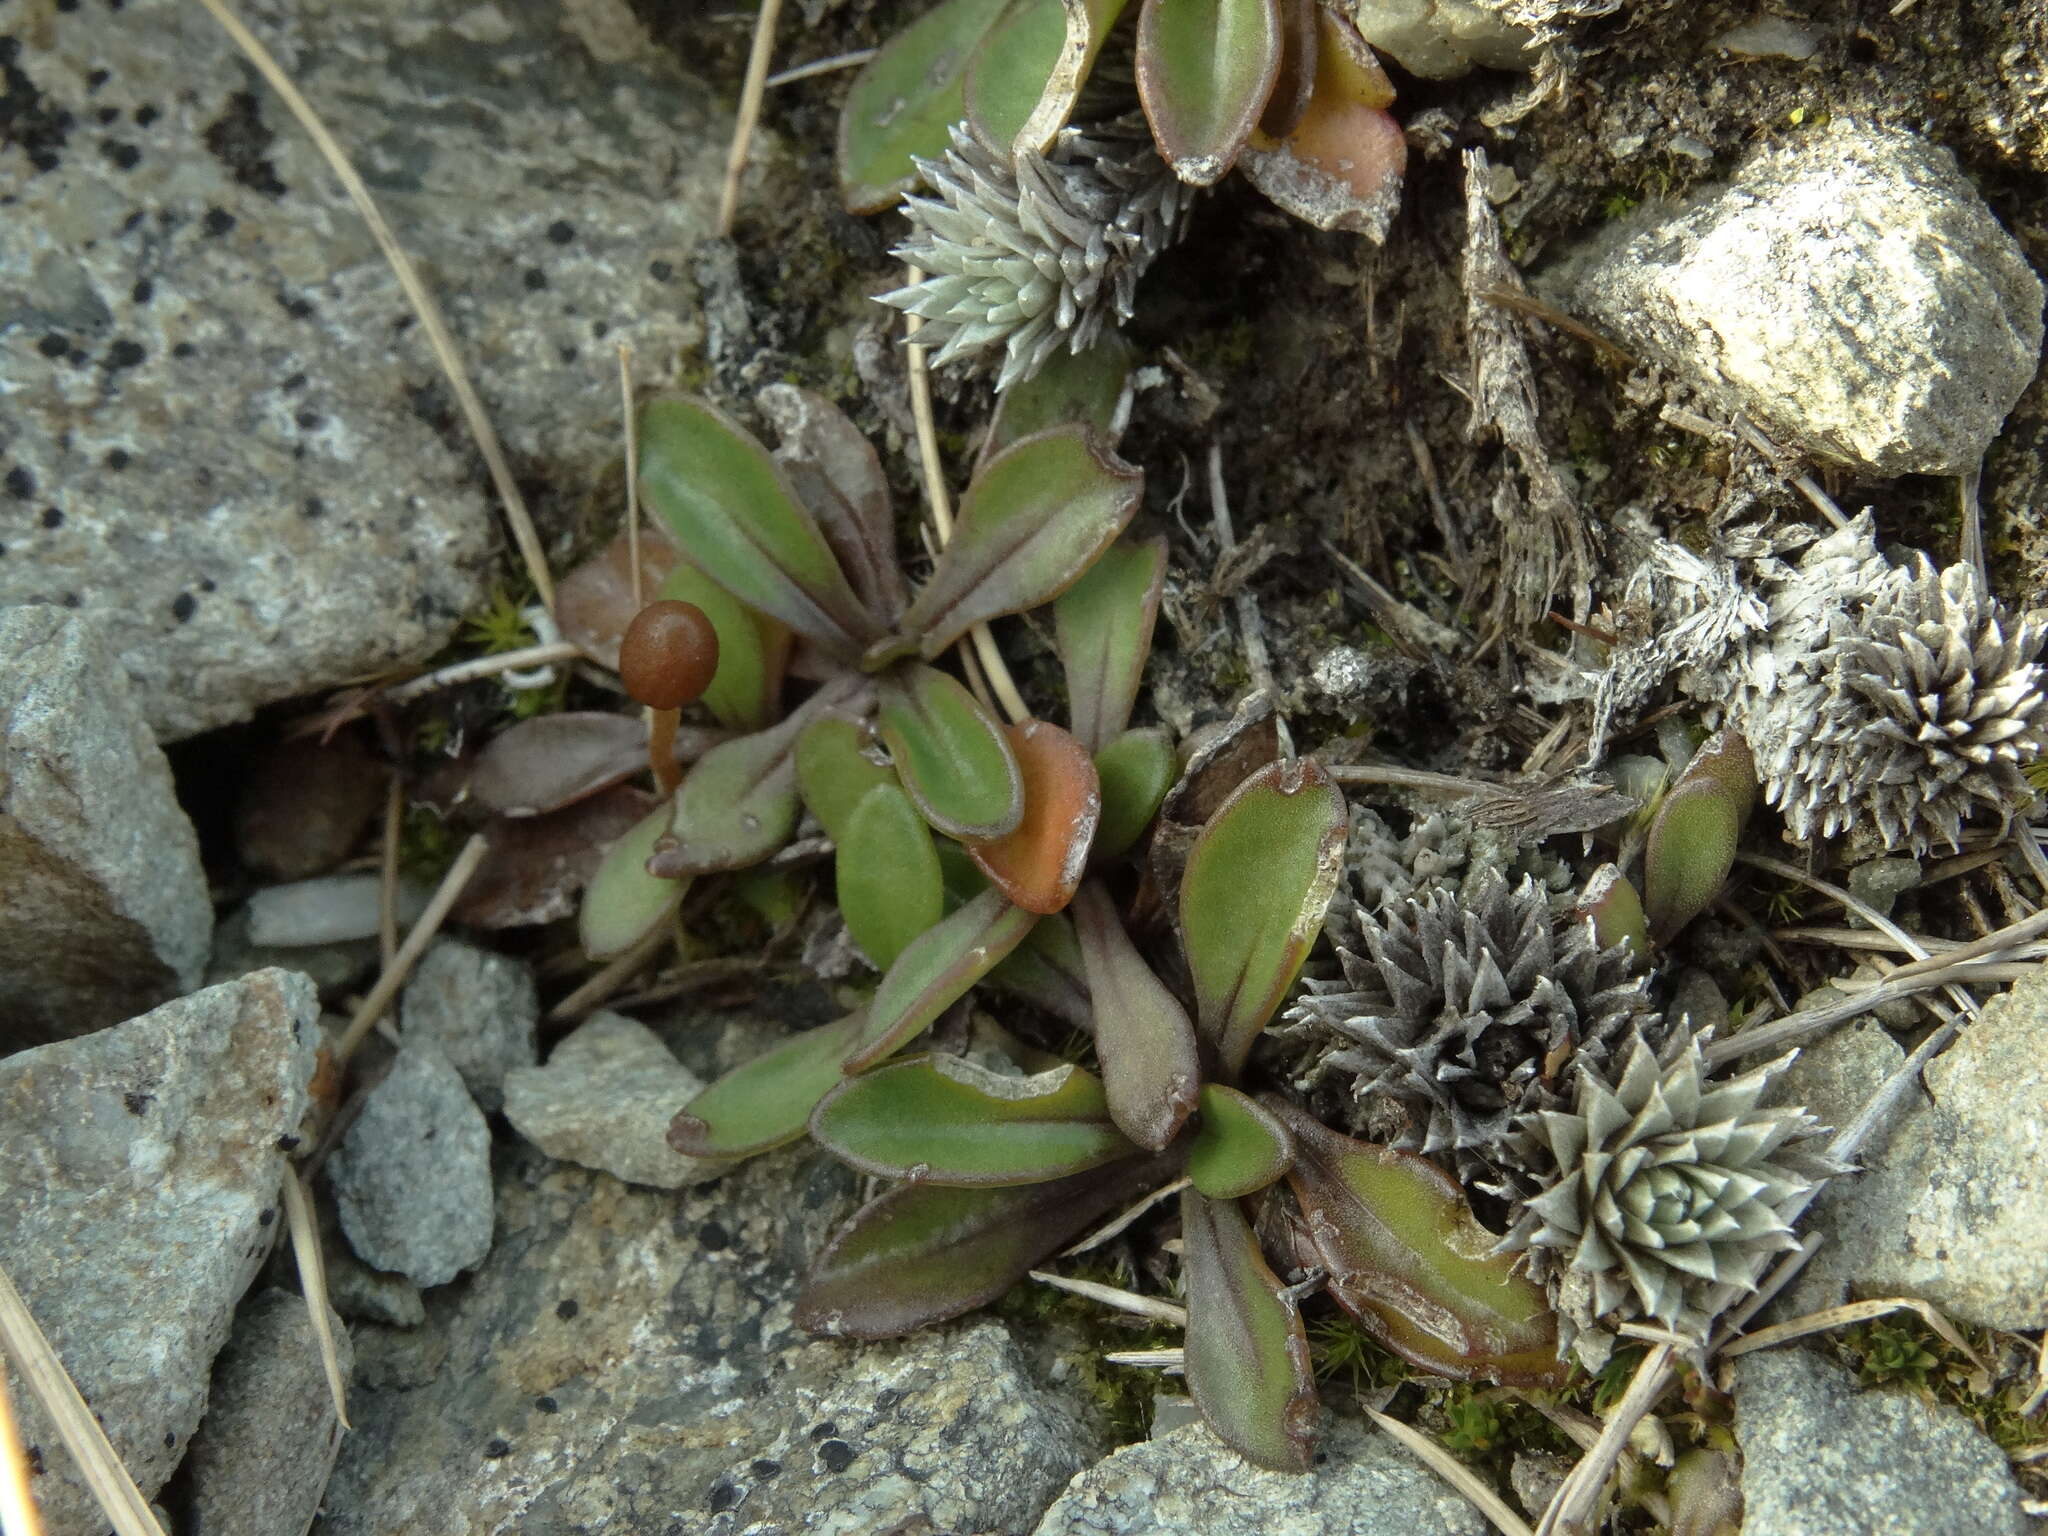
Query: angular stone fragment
x,y
480,1008
139,1174
1848,289
260,1461
412,1178
605,1100
1820,1458
104,910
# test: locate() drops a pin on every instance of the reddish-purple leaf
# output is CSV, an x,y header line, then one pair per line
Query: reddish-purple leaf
x,y
1143,1036
839,478
550,761
537,865
1247,1353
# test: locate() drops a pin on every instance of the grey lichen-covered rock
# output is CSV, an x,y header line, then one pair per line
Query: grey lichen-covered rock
x,y
104,910
1363,1485
260,1461
223,428
480,1008
412,1178
1848,289
605,1100
139,1172
1820,1458
625,1361
1954,1207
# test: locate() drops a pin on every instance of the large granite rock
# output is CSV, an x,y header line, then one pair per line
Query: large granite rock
x,y
139,1173
1187,1481
625,1361
1849,289
104,910
1953,1206
1820,1458
220,425
260,1461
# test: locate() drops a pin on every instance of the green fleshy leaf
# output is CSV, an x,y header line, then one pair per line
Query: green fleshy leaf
x,y
905,101
726,502
834,772
1693,838
1034,519
1258,881
1616,911
889,884
1136,771
954,760
1151,1069
1239,1148
1070,389
768,1101
739,803
1247,1353
1104,627
1205,71
623,902
775,895
944,1120
923,1253
1024,80
935,972
753,650
1407,1258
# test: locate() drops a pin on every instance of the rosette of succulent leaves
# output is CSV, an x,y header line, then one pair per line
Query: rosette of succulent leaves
x,y
1889,701
1060,143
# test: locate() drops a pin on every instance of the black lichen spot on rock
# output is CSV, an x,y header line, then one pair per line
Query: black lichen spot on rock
x,y
266,1216
26,118
53,517
547,1404
183,606
143,291
123,157
713,1236
498,1447
117,459
21,485
183,349
126,354
764,1468
837,1455
241,140
297,308
54,345
313,506
137,1103
561,231
825,1430
308,421
567,1308
144,116
661,271
535,280
723,1497
218,221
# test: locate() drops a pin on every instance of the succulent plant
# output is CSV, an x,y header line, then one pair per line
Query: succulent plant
x,y
1468,1011
1659,1193
1922,706
1030,253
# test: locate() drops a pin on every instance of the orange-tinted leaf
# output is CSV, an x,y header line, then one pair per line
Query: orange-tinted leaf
x,y
1341,165
1039,865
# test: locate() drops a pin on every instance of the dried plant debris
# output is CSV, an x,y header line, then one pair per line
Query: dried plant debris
x,y
1660,1194
1467,1012
1039,252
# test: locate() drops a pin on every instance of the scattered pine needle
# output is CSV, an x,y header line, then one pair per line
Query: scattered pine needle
x,y
1172,1361
1454,1472
387,891
298,1215
617,971
1116,1224
18,1515
1113,1296
1575,1498
438,338
127,1511
632,472
749,113
393,977
838,61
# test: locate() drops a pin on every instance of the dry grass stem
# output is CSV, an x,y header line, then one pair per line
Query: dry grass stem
x,y
24,1341
749,113
838,61
614,974
632,434
1575,1499
1454,1472
2040,1393
438,338
940,502
1843,1316
1122,1300
387,869
18,1514
1116,1224
1250,623
482,667
1172,1361
422,934
298,1215
1906,981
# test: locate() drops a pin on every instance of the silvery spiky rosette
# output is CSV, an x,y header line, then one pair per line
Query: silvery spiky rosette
x,y
1660,1194
1465,1011
1922,706
1028,255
